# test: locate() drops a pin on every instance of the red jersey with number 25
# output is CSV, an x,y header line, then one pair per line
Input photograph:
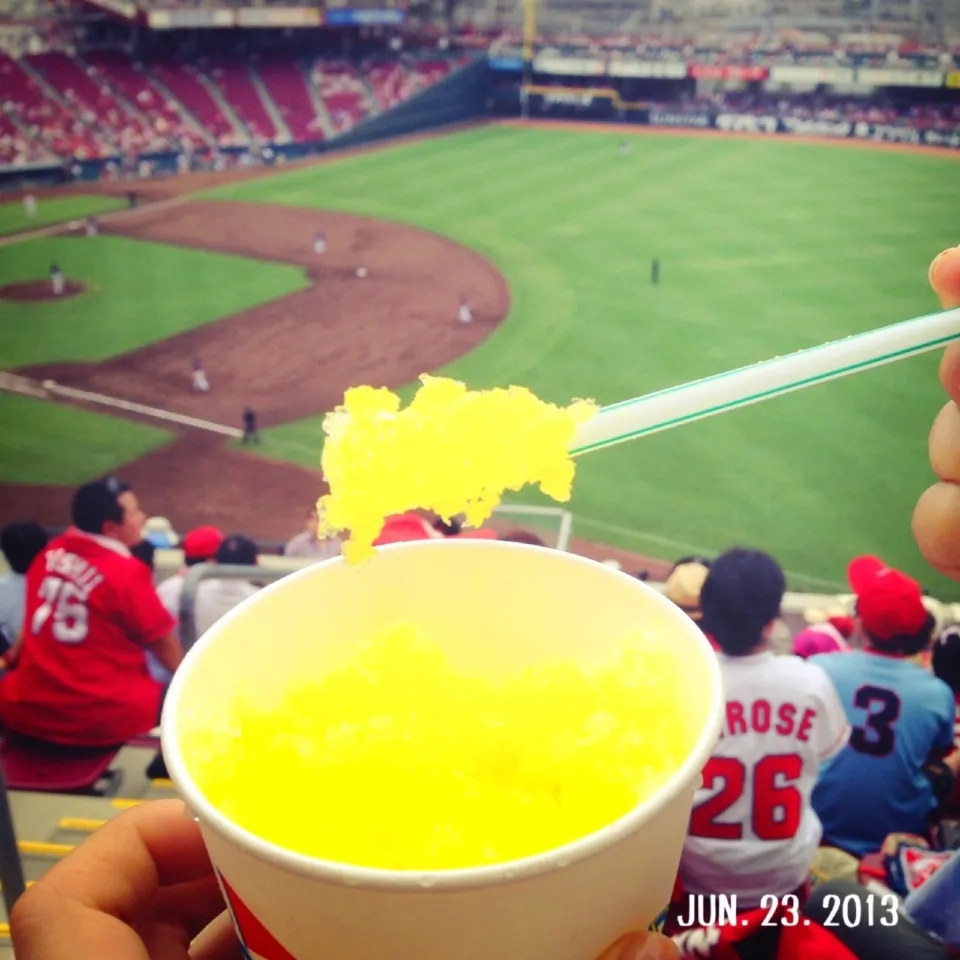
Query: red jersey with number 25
x,y
753,830
82,676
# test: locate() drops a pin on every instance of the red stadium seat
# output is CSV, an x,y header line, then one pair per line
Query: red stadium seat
x,y
30,764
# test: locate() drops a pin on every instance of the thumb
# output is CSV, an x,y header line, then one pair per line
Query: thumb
x,y
642,946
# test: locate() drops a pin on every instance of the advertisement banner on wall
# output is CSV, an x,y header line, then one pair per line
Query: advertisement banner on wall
x,y
747,123
569,66
190,19
899,78
363,18
887,132
940,138
278,17
646,69
671,118
811,75
712,71
816,128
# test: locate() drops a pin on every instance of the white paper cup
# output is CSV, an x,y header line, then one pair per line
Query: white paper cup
x,y
496,607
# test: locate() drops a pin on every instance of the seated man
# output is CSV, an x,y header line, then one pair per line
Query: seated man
x,y
79,676
900,713
752,830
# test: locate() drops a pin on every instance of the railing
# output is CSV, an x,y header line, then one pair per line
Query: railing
x,y
11,871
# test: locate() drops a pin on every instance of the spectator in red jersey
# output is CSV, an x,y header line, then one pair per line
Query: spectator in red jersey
x,y
79,676
753,831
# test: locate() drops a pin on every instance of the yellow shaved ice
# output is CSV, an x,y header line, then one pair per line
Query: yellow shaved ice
x,y
400,761
452,450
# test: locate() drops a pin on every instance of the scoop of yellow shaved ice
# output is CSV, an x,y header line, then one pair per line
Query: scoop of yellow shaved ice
x,y
452,450
397,760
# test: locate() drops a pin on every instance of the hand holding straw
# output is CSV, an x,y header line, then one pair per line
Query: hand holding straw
x,y
674,406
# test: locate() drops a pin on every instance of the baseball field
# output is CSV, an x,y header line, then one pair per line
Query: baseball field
x,y
765,246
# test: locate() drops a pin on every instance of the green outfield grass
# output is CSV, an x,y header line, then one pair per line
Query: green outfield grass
x,y
51,210
136,294
46,443
765,247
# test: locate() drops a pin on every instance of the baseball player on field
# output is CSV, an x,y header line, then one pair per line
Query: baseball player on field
x,y
319,244
57,280
464,314
753,831
200,382
30,205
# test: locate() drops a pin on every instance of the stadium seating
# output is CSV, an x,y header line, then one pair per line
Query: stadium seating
x,y
95,103
130,81
54,126
30,764
391,82
343,92
285,81
181,80
233,81
430,71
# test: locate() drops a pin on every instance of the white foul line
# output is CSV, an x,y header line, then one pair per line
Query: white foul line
x,y
52,388
71,226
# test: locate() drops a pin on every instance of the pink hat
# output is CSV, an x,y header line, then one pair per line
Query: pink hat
x,y
822,638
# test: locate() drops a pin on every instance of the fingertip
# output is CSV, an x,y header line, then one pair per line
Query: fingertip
x,y
944,277
936,527
950,372
944,443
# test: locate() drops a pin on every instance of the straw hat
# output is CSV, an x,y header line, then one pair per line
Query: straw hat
x,y
159,531
683,587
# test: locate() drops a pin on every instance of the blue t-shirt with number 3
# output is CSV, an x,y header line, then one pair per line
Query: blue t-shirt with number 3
x,y
900,715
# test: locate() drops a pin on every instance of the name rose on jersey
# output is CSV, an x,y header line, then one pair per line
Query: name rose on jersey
x,y
760,716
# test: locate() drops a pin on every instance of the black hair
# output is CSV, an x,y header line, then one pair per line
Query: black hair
x,y
21,542
97,503
450,529
145,552
693,558
905,644
741,595
238,550
946,657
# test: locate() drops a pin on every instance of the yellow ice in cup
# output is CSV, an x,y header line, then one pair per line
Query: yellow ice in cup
x,y
496,610
478,771
451,450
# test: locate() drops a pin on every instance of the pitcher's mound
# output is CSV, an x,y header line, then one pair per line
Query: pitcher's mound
x,y
33,290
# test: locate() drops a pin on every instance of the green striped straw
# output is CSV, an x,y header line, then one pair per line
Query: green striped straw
x,y
739,388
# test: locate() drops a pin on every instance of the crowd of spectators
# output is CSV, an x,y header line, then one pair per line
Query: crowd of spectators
x,y
790,48
59,104
843,740
838,740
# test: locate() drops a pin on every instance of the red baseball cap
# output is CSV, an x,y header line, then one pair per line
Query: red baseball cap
x,y
889,603
202,543
401,528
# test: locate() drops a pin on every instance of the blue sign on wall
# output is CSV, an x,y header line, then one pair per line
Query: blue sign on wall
x,y
362,18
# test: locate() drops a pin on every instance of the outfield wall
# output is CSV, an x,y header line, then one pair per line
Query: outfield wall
x,y
605,105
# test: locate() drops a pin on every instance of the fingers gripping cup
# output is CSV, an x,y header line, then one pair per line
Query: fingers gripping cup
x,y
496,610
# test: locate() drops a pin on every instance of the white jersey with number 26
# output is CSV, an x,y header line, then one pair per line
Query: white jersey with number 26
x,y
753,831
